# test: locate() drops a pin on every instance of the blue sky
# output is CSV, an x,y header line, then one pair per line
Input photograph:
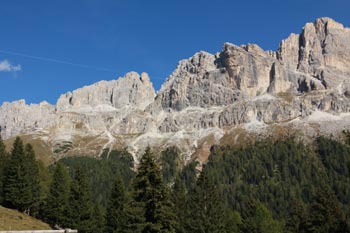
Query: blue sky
x,y
112,37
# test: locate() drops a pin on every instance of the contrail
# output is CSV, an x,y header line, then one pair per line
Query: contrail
x,y
56,61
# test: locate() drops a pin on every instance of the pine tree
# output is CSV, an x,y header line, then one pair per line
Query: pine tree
x,y
233,221
20,180
33,179
257,218
151,200
298,219
116,220
169,164
178,197
205,211
45,178
3,157
56,208
326,215
98,220
13,176
80,203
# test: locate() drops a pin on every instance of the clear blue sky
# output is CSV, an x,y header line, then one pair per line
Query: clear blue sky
x,y
138,35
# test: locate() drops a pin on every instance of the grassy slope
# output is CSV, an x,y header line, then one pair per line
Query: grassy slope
x,y
14,220
42,150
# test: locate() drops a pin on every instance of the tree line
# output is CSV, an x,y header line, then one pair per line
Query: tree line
x,y
268,186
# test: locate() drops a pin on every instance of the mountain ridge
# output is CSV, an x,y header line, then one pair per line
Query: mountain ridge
x,y
303,83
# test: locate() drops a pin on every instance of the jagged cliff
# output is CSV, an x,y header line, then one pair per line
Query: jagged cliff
x,y
304,85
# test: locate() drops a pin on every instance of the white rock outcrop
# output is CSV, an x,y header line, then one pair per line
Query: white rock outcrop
x,y
205,96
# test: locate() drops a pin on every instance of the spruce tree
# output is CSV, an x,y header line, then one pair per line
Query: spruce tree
x,y
326,215
3,157
56,208
298,219
13,176
18,179
257,218
98,220
80,203
116,219
151,208
33,179
178,197
205,211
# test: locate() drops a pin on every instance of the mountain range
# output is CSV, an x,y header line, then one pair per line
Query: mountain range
x,y
235,95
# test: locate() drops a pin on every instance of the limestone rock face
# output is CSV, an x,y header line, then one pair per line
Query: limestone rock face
x,y
191,84
92,109
132,90
205,97
17,117
322,51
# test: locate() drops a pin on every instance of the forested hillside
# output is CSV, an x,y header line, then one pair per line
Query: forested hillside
x,y
270,186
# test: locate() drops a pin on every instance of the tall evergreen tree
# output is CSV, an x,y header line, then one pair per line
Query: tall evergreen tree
x,y
151,199
33,179
116,220
178,197
13,177
80,203
3,158
258,219
98,220
20,181
206,213
45,178
169,164
56,208
298,219
326,215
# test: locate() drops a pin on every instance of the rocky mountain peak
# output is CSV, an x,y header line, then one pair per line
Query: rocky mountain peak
x,y
132,90
321,51
205,98
327,25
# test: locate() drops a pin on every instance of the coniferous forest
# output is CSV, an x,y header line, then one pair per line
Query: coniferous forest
x,y
266,187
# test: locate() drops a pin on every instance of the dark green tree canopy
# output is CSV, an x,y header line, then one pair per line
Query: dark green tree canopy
x,y
151,199
56,208
21,178
116,218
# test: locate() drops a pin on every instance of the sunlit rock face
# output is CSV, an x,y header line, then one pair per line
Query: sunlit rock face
x,y
205,97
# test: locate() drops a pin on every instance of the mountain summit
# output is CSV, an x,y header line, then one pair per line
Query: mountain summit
x,y
209,99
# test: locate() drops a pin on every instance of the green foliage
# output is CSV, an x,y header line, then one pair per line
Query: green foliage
x,y
233,221
80,203
151,199
297,222
179,199
116,218
205,211
21,189
286,176
262,187
98,220
170,164
3,158
325,215
258,219
189,175
101,172
45,179
56,208
275,173
33,180
335,158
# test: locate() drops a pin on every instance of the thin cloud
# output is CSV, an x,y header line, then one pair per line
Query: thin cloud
x,y
6,66
56,61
